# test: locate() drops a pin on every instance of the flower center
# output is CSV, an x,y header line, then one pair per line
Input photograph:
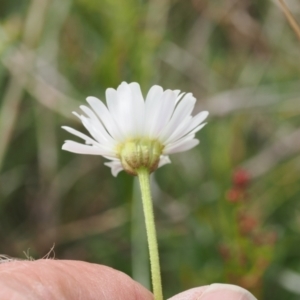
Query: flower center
x,y
138,153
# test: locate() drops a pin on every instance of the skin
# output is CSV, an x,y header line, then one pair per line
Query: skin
x,y
65,279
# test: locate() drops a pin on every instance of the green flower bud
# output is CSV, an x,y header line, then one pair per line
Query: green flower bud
x,y
140,153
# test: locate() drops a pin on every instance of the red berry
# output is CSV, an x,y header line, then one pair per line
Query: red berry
x,y
241,178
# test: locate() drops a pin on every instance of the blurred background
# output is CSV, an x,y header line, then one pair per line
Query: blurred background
x,y
227,211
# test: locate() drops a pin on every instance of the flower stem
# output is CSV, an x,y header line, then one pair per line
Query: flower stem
x,y
143,175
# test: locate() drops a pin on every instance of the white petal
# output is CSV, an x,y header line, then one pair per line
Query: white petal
x,y
111,96
176,92
199,118
97,126
126,106
182,145
136,91
163,113
96,149
90,128
87,139
181,115
113,105
191,125
178,131
106,118
138,112
164,159
81,149
115,166
91,115
155,92
185,134
120,103
197,128
114,157
179,97
99,133
152,106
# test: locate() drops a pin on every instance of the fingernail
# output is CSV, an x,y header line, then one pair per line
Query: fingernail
x,y
219,291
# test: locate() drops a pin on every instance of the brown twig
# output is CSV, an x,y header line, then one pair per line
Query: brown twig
x,y
290,18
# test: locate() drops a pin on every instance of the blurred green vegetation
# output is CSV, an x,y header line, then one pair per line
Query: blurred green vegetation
x,y
239,58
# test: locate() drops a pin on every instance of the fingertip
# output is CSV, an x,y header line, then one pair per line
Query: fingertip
x,y
219,291
64,279
215,291
191,294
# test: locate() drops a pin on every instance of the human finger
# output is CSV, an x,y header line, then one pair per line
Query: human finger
x,y
215,291
65,279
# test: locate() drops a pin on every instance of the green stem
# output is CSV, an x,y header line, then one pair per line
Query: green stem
x,y
143,175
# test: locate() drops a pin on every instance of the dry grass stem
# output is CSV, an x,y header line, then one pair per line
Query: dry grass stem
x,y
290,18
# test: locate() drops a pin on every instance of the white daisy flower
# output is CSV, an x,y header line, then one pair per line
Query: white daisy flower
x,y
134,133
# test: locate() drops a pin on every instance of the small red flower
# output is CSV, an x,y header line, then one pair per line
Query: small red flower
x,y
241,178
234,195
